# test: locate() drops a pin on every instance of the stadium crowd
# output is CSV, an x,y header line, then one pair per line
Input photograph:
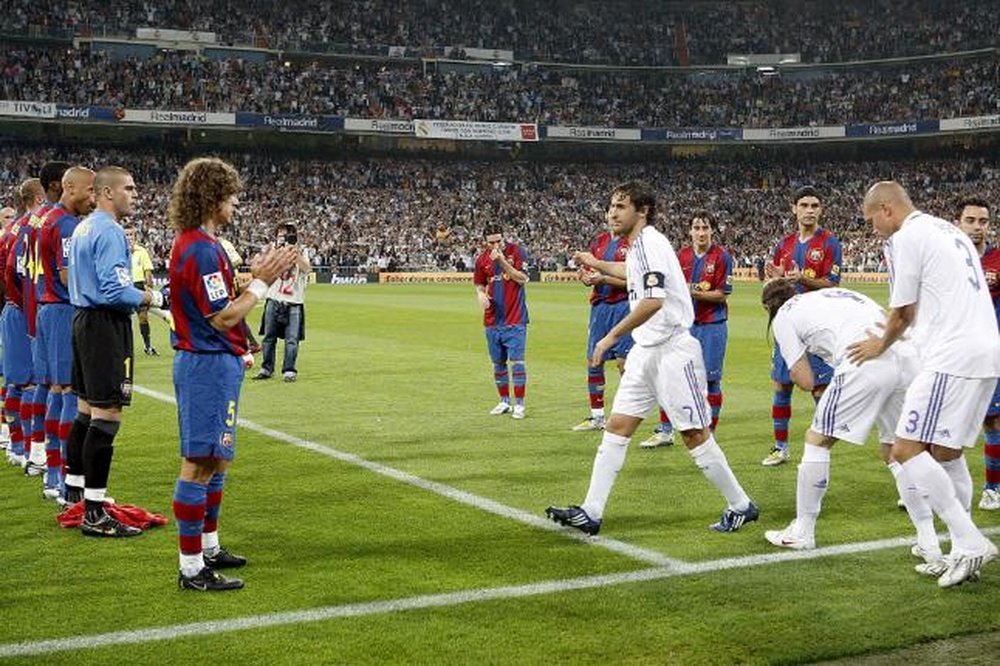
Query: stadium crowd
x,y
736,98
627,33
429,215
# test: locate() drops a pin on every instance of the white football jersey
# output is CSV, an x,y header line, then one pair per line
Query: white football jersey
x,y
652,271
933,264
824,322
290,287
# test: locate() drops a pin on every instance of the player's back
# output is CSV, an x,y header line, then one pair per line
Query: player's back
x,y
827,321
934,264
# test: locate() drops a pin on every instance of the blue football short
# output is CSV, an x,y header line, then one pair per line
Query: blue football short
x,y
54,342
506,343
208,394
713,347
604,317
822,373
16,345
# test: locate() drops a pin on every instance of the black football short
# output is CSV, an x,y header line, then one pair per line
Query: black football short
x,y
102,357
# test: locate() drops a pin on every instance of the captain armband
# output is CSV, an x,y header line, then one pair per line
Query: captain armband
x,y
654,280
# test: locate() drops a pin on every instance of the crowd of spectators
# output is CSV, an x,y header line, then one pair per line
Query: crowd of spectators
x,y
382,214
625,32
741,98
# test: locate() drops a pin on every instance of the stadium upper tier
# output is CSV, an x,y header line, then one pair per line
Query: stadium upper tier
x,y
387,212
624,32
172,80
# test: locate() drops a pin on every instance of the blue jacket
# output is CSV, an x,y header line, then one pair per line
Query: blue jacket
x,y
100,266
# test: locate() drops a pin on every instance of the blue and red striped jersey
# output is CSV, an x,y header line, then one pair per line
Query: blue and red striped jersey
x,y
608,247
15,271
507,298
708,272
818,257
991,268
201,284
30,295
52,255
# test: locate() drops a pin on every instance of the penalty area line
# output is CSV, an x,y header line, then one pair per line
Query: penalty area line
x,y
268,620
482,503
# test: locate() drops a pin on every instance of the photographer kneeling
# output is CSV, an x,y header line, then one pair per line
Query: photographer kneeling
x,y
284,311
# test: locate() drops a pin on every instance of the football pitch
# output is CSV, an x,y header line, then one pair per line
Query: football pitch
x,y
389,519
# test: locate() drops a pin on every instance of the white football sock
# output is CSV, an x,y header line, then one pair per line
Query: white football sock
x,y
958,472
607,463
210,542
917,509
713,464
191,564
933,481
813,480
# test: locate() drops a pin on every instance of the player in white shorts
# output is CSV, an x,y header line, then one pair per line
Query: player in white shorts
x,y
665,366
937,290
823,323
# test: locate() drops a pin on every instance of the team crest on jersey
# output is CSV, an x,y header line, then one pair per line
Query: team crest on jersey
x,y
126,389
816,254
226,440
654,280
709,269
215,286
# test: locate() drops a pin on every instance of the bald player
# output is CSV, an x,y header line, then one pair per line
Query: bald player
x,y
939,296
54,325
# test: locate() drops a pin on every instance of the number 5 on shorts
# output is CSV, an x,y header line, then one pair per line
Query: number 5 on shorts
x,y
231,414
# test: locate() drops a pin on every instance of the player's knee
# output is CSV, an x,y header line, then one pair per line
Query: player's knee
x,y
991,422
695,437
945,454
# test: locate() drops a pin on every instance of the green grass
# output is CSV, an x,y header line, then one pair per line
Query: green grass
x,y
399,375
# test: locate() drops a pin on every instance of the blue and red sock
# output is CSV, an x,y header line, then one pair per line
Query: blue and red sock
x,y
502,380
715,401
781,413
53,447
595,386
189,512
520,378
991,454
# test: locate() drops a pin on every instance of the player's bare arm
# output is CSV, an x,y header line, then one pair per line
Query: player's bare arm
x,y
895,326
517,276
709,295
484,298
641,313
615,269
802,374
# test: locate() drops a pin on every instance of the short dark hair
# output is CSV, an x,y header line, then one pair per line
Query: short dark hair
x,y
52,172
703,215
806,191
970,201
775,293
641,196
492,229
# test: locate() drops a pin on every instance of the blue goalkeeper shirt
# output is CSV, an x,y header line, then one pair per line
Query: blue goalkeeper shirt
x,y
100,266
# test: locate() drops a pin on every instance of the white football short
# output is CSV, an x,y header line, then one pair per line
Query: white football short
x,y
860,397
671,375
945,409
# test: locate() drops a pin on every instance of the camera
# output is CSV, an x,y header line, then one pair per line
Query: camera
x,y
291,238
287,234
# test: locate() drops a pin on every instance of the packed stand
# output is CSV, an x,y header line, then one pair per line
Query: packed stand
x,y
184,81
624,33
429,215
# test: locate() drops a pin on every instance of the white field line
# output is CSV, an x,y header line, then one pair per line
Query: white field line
x,y
482,503
267,620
